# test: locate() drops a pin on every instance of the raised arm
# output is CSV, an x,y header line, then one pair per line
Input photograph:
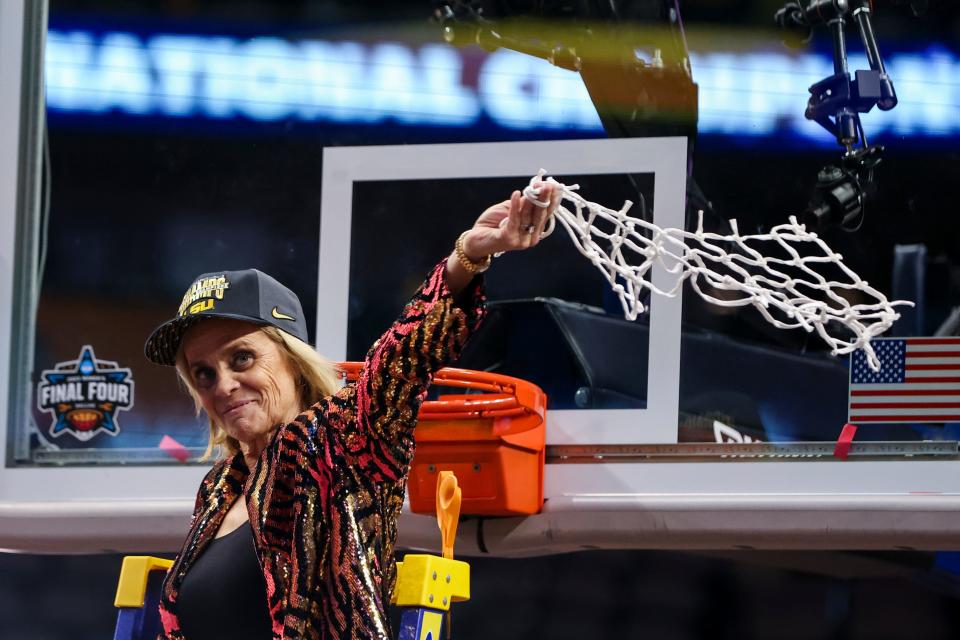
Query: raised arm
x,y
430,334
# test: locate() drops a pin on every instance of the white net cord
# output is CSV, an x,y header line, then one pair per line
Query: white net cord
x,y
606,237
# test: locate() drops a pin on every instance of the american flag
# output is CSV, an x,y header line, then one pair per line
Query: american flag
x,y
918,381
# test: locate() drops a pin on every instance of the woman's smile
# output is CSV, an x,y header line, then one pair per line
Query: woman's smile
x,y
235,409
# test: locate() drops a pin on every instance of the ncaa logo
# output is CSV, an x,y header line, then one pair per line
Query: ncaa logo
x,y
85,395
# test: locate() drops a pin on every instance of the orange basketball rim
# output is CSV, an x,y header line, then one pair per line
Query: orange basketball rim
x,y
492,437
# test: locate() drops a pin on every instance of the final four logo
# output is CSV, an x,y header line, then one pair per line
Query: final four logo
x,y
84,395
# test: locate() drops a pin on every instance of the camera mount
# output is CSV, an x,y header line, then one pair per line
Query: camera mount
x,y
836,103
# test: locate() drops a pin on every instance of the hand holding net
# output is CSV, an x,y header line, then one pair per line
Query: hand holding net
x,y
782,282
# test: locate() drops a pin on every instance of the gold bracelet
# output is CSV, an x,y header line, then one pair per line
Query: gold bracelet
x,y
468,264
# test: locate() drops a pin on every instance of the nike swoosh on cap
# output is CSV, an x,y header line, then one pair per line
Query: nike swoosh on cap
x,y
281,316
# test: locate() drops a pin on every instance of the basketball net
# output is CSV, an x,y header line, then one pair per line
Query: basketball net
x,y
846,313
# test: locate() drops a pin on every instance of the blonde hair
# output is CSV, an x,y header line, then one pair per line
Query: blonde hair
x,y
317,378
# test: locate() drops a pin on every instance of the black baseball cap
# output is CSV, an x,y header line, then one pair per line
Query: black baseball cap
x,y
248,295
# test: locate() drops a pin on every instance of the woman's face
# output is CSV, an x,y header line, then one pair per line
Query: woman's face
x,y
245,382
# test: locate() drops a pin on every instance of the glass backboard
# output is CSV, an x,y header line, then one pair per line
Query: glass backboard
x,y
177,148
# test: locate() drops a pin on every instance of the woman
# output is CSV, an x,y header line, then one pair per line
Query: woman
x,y
321,470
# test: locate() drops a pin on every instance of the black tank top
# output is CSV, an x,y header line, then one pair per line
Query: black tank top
x,y
224,595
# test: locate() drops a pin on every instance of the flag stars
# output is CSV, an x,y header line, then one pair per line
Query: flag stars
x,y
892,356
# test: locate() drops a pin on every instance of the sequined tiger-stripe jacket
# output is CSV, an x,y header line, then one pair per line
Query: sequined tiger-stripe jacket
x,y
325,495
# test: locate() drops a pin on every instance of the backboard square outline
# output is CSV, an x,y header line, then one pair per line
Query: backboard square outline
x,y
665,158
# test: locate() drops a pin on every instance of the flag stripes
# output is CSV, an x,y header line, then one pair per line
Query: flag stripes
x,y
918,381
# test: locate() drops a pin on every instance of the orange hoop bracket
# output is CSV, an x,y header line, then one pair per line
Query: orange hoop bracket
x,y
493,438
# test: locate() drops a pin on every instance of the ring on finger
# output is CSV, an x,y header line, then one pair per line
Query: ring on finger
x,y
528,228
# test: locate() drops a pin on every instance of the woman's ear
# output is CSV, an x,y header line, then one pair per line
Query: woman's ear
x,y
304,389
